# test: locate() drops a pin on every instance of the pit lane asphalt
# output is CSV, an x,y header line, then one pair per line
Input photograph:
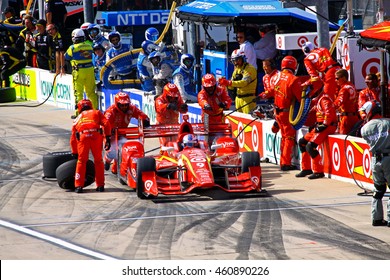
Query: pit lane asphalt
x,y
297,219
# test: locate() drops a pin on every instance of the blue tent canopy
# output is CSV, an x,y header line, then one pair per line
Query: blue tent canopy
x,y
246,12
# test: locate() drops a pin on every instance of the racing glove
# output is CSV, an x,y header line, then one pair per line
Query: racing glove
x,y
184,107
222,105
275,127
224,82
172,106
207,107
320,127
107,145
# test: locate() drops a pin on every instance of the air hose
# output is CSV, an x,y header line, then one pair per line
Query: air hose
x,y
128,57
300,111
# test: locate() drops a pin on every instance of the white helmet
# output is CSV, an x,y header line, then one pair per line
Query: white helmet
x,y
190,140
237,54
78,36
307,47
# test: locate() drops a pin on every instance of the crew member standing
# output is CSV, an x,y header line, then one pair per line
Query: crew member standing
x,y
87,136
213,100
80,56
376,134
56,13
370,93
119,115
243,83
318,61
169,104
286,87
270,70
346,102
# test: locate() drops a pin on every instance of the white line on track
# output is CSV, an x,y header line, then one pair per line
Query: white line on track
x,y
55,241
199,214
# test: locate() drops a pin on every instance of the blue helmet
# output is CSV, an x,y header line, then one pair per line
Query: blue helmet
x,y
155,58
112,35
187,61
152,34
94,31
148,47
190,140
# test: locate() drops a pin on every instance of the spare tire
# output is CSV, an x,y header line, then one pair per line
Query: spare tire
x,y
66,171
7,94
52,160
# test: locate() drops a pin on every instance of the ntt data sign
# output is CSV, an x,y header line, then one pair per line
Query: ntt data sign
x,y
131,18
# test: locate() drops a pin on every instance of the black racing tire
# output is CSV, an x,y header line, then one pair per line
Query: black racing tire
x,y
249,159
144,164
66,171
7,94
52,160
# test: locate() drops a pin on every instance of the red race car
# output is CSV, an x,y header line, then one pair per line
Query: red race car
x,y
210,159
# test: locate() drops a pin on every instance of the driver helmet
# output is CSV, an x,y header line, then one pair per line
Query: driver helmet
x,y
122,101
84,104
151,34
190,141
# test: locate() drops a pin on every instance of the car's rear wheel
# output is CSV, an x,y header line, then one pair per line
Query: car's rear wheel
x,y
66,171
249,159
52,160
143,165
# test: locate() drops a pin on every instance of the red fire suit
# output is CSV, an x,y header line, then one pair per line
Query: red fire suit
x,y
165,115
220,96
287,86
365,95
268,85
119,119
325,114
86,136
320,61
346,105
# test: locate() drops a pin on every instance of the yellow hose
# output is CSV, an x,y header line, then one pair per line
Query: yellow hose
x,y
104,68
341,28
301,107
28,7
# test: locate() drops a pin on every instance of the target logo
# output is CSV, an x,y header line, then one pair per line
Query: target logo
x,y
316,41
302,40
336,156
350,159
280,43
148,185
255,138
241,137
370,66
345,52
367,163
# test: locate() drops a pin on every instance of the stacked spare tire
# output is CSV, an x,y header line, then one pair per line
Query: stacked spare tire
x,y
62,166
